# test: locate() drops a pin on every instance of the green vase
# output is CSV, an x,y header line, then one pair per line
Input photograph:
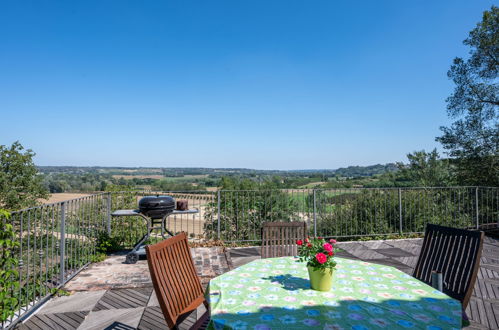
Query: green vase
x,y
320,279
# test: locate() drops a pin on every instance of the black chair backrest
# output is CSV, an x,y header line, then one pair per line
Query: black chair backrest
x,y
279,238
456,254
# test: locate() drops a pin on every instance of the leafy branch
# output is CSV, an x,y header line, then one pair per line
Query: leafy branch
x,y
8,272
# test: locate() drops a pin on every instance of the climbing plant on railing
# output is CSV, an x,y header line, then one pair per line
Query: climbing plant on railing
x,y
8,273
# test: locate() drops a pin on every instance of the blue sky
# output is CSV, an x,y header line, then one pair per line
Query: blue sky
x,y
255,84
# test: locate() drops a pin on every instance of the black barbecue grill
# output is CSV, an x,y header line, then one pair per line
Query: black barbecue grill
x,y
156,207
155,210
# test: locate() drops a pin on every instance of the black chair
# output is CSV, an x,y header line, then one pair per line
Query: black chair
x,y
456,254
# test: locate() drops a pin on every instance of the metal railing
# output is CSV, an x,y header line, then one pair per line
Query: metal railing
x,y
58,240
55,242
351,213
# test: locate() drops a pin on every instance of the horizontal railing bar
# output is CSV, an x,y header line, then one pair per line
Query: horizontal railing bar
x,y
58,203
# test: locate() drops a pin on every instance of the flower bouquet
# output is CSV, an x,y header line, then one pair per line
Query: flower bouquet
x,y
319,256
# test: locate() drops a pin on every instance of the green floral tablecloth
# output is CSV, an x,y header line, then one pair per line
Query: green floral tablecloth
x,y
275,294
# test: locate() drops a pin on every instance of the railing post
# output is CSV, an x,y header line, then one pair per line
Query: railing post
x,y
108,227
476,208
400,211
218,215
315,216
62,244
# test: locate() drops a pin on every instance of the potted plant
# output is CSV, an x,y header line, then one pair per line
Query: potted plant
x,y
319,255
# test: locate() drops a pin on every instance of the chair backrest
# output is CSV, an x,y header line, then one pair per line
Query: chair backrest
x,y
174,277
456,254
279,238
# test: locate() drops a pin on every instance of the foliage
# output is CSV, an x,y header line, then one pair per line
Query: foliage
x,y
169,185
473,139
423,169
83,182
366,171
44,268
373,212
317,252
8,272
59,292
20,184
125,231
426,169
39,252
244,211
107,244
98,257
350,212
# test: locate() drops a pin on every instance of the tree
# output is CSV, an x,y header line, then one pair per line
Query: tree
x,y
473,139
426,169
20,184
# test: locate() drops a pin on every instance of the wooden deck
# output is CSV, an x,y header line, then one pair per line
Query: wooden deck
x,y
137,308
484,305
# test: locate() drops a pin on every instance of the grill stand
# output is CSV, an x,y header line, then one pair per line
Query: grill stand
x,y
139,248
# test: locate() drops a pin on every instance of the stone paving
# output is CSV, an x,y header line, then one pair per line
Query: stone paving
x,y
114,273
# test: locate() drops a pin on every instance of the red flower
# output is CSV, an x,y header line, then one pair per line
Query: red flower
x,y
309,245
321,258
332,241
299,242
328,247
307,240
330,253
319,237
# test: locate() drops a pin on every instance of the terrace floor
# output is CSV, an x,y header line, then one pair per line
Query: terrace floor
x,y
114,295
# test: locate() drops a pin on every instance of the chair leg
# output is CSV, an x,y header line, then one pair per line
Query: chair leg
x,y
465,320
202,322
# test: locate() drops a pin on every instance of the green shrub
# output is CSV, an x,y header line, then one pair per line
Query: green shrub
x,y
8,272
106,244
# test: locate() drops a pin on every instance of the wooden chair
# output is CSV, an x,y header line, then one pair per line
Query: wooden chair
x,y
175,281
456,254
279,238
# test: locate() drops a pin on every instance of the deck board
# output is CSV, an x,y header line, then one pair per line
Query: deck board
x,y
124,298
152,319
70,320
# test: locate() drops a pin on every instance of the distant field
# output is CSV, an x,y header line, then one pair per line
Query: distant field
x,y
195,176
150,170
131,176
60,197
159,176
185,178
312,184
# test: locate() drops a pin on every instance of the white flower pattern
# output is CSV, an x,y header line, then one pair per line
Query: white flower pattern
x,y
381,298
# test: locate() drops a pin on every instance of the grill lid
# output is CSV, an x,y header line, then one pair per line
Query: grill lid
x,y
156,206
